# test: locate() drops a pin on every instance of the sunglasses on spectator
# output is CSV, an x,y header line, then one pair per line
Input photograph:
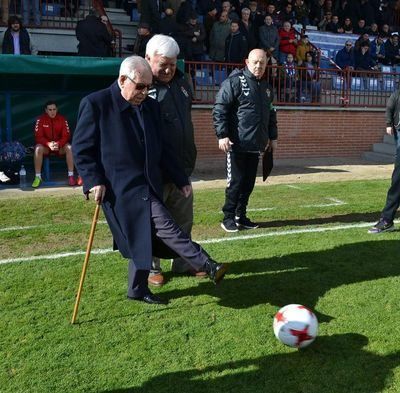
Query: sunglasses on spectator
x,y
349,45
139,86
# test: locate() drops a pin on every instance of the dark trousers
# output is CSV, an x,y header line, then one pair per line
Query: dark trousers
x,y
241,170
393,195
169,233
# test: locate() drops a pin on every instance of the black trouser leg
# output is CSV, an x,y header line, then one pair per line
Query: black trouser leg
x,y
248,182
137,281
393,195
241,171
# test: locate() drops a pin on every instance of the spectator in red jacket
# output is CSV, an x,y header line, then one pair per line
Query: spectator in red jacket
x,y
287,42
52,137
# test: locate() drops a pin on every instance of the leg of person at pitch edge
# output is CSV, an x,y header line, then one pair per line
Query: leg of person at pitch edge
x,y
248,181
235,171
393,195
385,223
170,234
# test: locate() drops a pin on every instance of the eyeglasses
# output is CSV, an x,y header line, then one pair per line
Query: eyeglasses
x,y
139,86
349,45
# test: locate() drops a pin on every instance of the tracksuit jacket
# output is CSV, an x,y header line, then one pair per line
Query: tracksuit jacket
x,y
243,111
48,129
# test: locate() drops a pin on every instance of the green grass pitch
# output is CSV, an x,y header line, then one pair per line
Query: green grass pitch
x,y
312,248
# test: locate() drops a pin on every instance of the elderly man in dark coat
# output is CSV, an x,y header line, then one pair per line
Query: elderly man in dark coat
x,y
119,149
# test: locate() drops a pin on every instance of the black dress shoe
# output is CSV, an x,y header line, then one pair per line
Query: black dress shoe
x,y
149,299
216,271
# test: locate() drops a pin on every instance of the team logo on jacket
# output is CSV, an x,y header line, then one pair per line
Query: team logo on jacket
x,y
153,93
245,86
185,92
268,92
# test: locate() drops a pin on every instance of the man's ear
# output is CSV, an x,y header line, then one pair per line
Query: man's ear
x,y
121,80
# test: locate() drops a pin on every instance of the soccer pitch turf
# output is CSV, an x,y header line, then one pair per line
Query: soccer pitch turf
x,y
312,249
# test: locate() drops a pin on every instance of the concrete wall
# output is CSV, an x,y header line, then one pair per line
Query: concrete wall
x,y
303,133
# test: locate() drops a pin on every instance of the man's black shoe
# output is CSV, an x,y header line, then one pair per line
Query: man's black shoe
x,y
245,223
216,271
149,299
229,225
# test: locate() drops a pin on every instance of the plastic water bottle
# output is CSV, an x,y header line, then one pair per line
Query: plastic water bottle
x,y
22,177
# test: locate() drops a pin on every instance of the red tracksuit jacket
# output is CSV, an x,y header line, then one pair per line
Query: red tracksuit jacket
x,y
48,129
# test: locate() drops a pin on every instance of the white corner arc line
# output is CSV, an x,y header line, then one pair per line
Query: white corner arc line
x,y
335,202
209,241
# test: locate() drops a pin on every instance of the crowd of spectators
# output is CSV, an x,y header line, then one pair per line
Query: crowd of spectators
x,y
225,31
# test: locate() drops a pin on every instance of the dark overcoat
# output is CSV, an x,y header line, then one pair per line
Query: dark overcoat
x,y
94,39
109,149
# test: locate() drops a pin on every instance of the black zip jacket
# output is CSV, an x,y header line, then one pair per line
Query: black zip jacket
x,y
243,111
175,99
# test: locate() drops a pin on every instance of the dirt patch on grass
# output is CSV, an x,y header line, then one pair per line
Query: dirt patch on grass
x,y
284,172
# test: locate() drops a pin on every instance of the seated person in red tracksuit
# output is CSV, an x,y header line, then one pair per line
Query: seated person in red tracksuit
x,y
52,137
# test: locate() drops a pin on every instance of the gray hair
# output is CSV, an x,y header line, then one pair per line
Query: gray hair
x,y
133,64
162,45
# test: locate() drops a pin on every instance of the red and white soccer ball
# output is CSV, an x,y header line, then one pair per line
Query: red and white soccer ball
x,y
295,326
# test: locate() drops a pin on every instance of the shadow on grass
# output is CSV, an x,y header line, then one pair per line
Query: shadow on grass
x,y
300,278
339,218
335,364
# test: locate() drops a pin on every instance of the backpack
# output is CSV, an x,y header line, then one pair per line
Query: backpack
x,y
11,153
11,157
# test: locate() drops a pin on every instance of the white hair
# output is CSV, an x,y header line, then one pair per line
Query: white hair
x,y
133,64
162,45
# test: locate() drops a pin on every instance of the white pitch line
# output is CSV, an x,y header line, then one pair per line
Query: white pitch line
x,y
209,241
54,256
261,209
27,227
293,186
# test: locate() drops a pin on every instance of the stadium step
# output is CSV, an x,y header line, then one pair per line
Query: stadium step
x,y
378,157
382,152
384,148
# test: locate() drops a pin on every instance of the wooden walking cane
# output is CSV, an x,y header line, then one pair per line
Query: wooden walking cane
x,y
86,262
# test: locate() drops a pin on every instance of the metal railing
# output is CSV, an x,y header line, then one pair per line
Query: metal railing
x,y
60,14
299,86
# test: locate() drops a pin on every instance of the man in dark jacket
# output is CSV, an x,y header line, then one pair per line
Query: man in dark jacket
x,y
119,147
363,59
385,223
16,40
195,35
392,50
142,38
245,124
150,12
94,39
172,91
236,46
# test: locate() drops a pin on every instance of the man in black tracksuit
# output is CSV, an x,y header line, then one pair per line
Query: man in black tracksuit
x,y
245,124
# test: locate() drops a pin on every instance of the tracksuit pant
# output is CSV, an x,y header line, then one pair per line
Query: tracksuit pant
x,y
241,170
393,195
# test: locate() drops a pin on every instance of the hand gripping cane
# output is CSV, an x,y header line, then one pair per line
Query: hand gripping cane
x,y
86,262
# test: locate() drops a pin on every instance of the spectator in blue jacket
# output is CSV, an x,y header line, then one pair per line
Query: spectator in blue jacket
x,y
345,57
378,50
